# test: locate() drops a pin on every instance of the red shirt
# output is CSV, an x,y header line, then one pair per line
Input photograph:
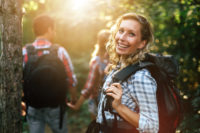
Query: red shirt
x,y
95,76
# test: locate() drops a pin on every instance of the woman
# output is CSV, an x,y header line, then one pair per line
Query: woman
x,y
134,99
97,64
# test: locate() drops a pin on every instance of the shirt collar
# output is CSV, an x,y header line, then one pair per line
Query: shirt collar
x,y
41,43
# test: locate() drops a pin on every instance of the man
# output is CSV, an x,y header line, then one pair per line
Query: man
x,y
43,27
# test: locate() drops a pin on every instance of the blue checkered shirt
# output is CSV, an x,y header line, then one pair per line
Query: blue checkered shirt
x,y
139,95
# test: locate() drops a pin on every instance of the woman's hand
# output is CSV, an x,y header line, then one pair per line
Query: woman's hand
x,y
77,105
115,91
73,106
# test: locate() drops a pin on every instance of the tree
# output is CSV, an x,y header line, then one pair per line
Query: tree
x,y
11,66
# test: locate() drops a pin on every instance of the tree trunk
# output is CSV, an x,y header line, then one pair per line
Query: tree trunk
x,y
10,66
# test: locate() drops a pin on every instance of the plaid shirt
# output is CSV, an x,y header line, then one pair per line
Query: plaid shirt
x,y
62,54
139,95
94,79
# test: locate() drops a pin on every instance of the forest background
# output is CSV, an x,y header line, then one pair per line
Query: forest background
x,y
176,29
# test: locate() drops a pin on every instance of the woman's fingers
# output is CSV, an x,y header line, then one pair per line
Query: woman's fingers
x,y
115,96
117,85
115,91
72,106
114,88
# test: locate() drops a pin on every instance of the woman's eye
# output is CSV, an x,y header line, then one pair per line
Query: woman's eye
x,y
131,34
121,30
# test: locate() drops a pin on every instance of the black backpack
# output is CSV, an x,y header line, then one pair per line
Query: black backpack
x,y
164,69
45,78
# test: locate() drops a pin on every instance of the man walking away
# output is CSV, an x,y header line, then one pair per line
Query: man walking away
x,y
48,76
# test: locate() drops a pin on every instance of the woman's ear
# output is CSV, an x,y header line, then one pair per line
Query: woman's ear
x,y
142,44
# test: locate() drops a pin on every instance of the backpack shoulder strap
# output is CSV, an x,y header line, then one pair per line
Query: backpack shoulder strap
x,y
129,70
166,64
30,50
120,77
54,49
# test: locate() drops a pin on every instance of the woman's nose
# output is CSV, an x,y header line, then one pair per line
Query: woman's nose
x,y
122,36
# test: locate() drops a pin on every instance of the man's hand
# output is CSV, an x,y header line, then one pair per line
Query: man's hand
x,y
73,95
23,111
73,106
77,105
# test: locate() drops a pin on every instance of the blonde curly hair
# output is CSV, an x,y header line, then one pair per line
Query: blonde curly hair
x,y
146,32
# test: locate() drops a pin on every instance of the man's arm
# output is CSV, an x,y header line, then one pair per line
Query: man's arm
x,y
63,55
73,95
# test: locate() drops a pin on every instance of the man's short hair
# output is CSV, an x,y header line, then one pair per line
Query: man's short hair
x,y
41,24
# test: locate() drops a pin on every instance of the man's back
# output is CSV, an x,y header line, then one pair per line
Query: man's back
x,y
57,112
45,79
44,30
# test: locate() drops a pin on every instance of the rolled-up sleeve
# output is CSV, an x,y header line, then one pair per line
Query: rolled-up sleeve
x,y
64,56
145,92
91,79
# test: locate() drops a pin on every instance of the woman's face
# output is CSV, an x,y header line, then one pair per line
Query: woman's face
x,y
128,38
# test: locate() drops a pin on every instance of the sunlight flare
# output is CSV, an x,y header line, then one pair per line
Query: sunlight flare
x,y
42,1
80,4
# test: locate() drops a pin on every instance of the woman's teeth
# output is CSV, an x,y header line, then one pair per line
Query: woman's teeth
x,y
123,46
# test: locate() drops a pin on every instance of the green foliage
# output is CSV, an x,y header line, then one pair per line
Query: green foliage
x,y
176,29
192,113
79,120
